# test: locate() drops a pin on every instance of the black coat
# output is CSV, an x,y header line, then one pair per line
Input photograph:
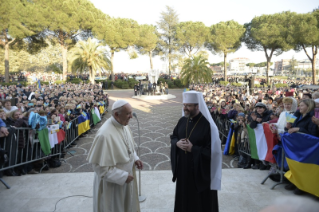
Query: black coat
x,y
265,117
305,123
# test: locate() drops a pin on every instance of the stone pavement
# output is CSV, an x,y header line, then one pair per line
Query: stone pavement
x,y
157,120
241,192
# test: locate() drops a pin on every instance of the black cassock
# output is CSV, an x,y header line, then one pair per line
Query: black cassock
x,y
191,171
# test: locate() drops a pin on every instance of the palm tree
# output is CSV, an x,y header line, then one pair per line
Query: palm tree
x,y
196,70
89,56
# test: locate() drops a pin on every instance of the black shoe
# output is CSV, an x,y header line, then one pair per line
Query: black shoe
x,y
11,172
23,172
290,187
298,192
256,166
263,167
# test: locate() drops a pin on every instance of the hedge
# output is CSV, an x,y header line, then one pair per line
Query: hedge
x,y
281,85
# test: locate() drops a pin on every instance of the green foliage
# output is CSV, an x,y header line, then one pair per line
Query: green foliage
x,y
14,83
237,84
16,23
305,34
59,82
223,83
75,80
219,64
262,64
269,33
118,34
191,36
225,38
167,44
250,65
178,83
196,70
89,56
44,83
68,19
147,41
281,85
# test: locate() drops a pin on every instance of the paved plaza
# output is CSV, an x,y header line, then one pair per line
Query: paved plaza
x,y
241,189
157,119
241,192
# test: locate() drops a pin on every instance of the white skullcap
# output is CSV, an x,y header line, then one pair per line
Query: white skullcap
x,y
119,103
190,98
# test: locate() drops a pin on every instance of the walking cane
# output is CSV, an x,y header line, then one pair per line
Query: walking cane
x,y
140,197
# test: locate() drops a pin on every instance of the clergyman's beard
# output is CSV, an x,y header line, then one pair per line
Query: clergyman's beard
x,y
191,113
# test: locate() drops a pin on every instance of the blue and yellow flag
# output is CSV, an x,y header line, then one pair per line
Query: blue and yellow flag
x,y
83,124
39,84
186,89
227,150
302,152
290,118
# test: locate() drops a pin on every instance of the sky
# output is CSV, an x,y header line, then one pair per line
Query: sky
x,y
207,11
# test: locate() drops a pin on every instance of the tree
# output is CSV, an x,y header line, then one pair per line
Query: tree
x,y
220,64
147,41
17,21
167,33
225,38
89,56
305,34
118,34
269,33
262,64
203,53
191,37
293,62
250,65
196,70
67,22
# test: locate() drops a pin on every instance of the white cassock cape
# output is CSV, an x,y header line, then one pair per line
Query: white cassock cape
x,y
112,164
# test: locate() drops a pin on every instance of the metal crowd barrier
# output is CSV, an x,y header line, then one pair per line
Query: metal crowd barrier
x,y
29,150
223,126
23,147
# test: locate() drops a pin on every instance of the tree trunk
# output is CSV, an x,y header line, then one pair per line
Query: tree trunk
x,y
92,75
151,59
313,63
100,73
65,62
314,74
225,66
112,64
267,72
6,62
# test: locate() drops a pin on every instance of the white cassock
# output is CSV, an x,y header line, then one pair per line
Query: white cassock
x,y
112,155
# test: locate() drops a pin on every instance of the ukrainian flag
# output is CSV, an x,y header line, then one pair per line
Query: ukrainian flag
x,y
302,152
83,124
39,84
229,150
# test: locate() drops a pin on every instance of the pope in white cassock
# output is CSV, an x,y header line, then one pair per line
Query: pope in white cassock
x,y
113,158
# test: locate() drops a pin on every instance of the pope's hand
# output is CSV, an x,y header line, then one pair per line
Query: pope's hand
x,y
139,164
129,179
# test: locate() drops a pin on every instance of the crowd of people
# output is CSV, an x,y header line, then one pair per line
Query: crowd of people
x,y
236,105
60,104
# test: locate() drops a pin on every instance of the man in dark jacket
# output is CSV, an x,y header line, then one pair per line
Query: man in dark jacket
x,y
261,115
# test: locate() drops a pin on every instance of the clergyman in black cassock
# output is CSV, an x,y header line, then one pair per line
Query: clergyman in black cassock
x,y
191,170
191,163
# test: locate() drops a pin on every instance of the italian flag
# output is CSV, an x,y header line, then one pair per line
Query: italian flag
x,y
95,117
261,142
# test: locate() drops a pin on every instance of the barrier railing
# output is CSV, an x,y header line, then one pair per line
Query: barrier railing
x,y
22,146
